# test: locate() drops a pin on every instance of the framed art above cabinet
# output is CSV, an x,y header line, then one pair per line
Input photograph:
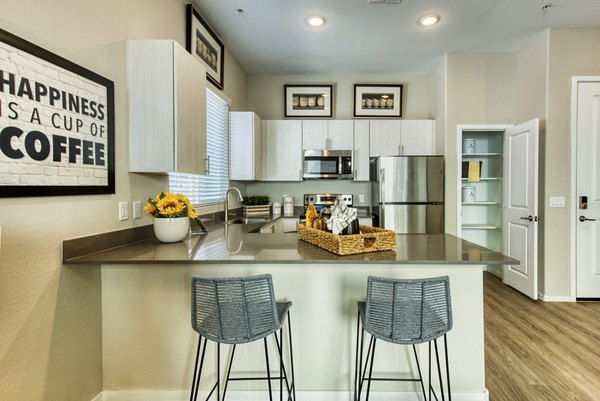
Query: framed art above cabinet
x,y
203,44
304,100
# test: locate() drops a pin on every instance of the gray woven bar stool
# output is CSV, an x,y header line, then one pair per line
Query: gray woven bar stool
x,y
403,311
239,310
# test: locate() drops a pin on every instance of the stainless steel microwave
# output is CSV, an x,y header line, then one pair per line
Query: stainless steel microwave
x,y
327,164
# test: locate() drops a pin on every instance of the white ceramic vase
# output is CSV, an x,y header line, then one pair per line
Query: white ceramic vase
x,y
171,229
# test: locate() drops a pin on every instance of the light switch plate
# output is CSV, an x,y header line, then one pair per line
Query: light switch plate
x,y
361,198
557,201
137,209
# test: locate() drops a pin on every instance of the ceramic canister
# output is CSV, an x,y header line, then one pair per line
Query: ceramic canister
x,y
468,193
468,145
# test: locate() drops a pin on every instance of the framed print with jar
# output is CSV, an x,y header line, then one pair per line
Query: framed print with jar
x,y
377,100
306,101
205,46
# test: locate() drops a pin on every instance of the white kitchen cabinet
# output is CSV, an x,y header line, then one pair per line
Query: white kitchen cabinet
x,y
384,138
401,137
418,137
282,150
327,134
245,146
167,108
361,150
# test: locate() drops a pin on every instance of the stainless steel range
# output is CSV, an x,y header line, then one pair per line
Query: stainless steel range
x,y
325,200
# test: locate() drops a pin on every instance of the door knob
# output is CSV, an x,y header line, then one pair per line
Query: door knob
x,y
530,218
583,218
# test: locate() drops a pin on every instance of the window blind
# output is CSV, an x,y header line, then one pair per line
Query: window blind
x,y
210,188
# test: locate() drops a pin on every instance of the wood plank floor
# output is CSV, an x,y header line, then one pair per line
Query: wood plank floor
x,y
538,351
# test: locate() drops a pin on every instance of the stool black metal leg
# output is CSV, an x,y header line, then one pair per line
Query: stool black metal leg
x,y
447,368
293,385
280,349
419,370
364,367
360,364
218,372
371,368
356,359
429,344
285,376
196,376
229,371
437,359
268,369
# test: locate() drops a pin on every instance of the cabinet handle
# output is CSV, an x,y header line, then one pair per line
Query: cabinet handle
x,y
300,174
328,143
354,175
207,169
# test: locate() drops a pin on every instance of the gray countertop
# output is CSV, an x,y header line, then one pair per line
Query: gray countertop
x,y
235,244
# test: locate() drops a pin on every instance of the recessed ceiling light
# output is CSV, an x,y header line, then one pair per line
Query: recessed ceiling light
x,y
315,21
428,20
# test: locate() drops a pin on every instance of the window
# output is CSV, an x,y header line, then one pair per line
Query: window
x,y
206,189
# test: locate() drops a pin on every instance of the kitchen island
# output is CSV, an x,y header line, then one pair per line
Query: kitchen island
x,y
148,343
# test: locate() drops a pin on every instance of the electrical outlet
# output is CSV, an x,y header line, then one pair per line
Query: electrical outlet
x,y
123,212
137,209
361,198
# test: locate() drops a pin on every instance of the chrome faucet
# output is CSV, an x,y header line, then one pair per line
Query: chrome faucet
x,y
240,198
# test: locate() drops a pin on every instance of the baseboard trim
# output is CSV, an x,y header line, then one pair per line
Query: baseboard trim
x,y
547,298
144,395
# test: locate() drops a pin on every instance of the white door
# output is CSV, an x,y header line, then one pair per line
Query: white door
x,y
521,206
588,190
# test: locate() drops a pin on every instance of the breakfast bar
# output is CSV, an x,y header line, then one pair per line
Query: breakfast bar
x,y
148,342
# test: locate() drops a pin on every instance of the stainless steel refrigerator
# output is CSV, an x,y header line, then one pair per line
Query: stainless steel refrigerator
x,y
408,193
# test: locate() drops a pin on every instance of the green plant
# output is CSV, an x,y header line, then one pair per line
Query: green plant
x,y
254,200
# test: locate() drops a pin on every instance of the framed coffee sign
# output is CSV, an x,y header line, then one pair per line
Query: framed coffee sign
x,y
56,124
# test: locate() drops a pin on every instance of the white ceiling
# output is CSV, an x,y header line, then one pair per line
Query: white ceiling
x,y
270,36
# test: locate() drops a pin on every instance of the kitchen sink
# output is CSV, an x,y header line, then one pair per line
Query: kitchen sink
x,y
248,220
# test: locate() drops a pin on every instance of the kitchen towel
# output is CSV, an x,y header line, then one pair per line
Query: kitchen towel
x,y
341,216
474,172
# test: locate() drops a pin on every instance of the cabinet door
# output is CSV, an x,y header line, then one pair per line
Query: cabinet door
x,y
339,134
314,134
384,138
244,147
190,119
361,150
418,137
282,144
167,108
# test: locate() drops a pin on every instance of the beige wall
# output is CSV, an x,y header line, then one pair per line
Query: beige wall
x,y
265,93
438,88
572,52
481,89
50,330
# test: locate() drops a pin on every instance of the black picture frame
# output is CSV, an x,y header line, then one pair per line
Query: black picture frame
x,y
203,44
368,99
308,100
57,124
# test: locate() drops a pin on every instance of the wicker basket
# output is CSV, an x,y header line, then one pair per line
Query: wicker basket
x,y
370,239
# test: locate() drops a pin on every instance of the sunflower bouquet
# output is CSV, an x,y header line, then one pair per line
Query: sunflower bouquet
x,y
169,205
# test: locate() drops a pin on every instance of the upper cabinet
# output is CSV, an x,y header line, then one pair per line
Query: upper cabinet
x,y
361,150
282,150
402,137
167,108
327,134
245,144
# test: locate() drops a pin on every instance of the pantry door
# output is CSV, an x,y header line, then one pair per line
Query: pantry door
x,y
588,190
520,228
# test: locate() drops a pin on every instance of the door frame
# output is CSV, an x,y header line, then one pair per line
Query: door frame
x,y
575,81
